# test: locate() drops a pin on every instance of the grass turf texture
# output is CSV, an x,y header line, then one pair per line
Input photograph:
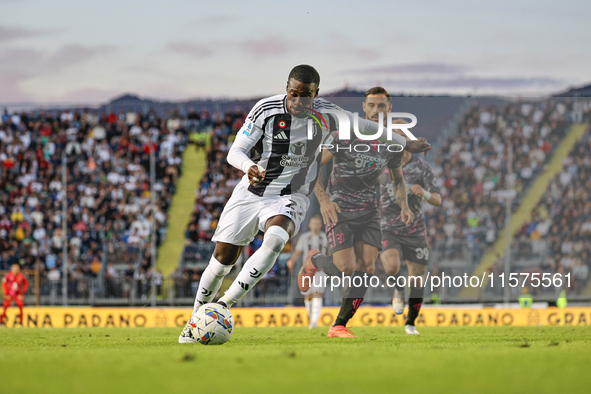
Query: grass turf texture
x,y
382,359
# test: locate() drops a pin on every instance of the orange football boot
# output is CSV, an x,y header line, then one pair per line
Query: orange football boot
x,y
340,332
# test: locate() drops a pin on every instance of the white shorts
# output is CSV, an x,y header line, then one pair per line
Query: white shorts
x,y
246,213
318,279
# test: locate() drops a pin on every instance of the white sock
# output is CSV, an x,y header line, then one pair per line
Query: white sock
x,y
316,309
308,305
257,265
210,282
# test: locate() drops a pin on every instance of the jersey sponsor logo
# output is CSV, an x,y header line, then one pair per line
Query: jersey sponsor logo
x,y
294,161
370,162
298,148
281,136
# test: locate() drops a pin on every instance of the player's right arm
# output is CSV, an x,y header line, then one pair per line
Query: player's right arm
x,y
5,285
328,208
401,195
246,138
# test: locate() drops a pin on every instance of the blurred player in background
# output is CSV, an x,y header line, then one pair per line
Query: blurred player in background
x,y
401,240
313,239
14,285
349,210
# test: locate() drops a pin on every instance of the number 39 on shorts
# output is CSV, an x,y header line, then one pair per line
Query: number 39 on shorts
x,y
422,253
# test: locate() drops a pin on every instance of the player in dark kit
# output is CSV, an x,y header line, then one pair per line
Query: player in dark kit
x,y
14,285
349,210
401,240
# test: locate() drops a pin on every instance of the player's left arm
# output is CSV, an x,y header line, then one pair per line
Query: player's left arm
x,y
431,193
400,194
326,156
25,286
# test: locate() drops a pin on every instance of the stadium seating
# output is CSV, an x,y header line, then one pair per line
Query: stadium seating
x,y
108,193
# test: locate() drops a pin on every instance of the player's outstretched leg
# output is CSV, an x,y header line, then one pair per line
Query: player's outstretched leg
x,y
211,280
391,262
416,295
257,265
352,299
6,304
414,306
315,309
308,305
20,303
315,261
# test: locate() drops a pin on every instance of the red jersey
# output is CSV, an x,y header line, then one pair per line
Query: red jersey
x,y
14,285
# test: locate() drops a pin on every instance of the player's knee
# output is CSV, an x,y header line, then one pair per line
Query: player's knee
x,y
226,254
348,267
275,238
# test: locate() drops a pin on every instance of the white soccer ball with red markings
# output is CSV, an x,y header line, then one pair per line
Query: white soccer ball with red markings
x,y
212,324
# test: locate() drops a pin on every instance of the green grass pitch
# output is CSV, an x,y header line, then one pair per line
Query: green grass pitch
x,y
298,360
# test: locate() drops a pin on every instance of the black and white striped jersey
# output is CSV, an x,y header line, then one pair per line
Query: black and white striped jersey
x,y
279,143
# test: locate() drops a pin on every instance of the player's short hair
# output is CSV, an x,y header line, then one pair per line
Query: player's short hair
x,y
305,74
378,90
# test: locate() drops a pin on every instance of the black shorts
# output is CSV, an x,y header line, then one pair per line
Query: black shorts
x,y
352,227
413,249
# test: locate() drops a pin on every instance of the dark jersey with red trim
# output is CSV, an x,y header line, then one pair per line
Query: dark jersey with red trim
x,y
357,166
416,172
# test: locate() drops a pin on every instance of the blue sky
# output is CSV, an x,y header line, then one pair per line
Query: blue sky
x,y
91,51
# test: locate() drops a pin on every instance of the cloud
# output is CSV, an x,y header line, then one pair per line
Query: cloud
x,y
258,47
212,21
69,55
414,68
268,46
190,48
477,82
20,65
11,33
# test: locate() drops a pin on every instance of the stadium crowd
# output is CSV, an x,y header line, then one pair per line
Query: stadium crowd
x,y
108,191
472,171
561,223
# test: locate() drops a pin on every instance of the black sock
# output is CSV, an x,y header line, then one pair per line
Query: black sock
x,y
414,305
352,299
324,263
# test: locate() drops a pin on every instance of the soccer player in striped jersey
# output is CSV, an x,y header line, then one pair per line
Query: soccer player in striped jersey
x,y
281,165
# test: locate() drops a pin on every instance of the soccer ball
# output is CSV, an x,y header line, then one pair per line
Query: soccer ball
x,y
212,324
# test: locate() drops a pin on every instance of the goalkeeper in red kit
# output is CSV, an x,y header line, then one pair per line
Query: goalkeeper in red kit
x,y
15,285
